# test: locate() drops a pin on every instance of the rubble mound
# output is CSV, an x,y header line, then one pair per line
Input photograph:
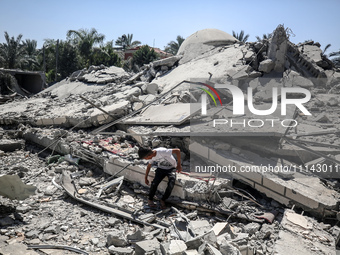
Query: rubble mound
x,y
202,41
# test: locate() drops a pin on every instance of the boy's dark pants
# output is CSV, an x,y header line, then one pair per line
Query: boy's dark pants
x,y
159,176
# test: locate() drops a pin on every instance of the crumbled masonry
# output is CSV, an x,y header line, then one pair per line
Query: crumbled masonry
x,y
71,180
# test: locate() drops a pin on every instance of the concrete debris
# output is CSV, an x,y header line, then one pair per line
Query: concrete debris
x,y
116,238
85,188
147,246
266,66
304,236
11,186
120,250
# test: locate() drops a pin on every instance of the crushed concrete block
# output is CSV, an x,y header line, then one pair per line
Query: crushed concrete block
x,y
252,228
177,247
132,92
146,247
200,227
113,222
169,62
322,118
151,88
266,66
138,236
266,231
146,99
191,252
292,237
211,250
239,72
165,248
229,249
120,250
220,228
32,234
50,190
332,102
23,209
17,249
294,79
11,186
54,229
196,242
241,239
11,145
116,238
313,52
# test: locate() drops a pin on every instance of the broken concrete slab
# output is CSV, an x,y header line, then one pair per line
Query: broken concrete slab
x,y
116,238
154,115
294,79
11,145
17,249
177,247
266,66
186,187
11,186
70,189
305,191
200,227
169,62
147,246
303,235
313,52
120,250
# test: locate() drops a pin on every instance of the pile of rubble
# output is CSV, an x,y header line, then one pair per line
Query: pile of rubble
x,y
77,143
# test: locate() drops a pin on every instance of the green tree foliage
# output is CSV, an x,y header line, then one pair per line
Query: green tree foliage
x,y
241,37
144,55
85,40
12,52
32,53
264,37
68,59
106,55
126,41
335,58
173,46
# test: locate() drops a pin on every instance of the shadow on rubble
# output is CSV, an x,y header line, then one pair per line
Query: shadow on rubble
x,y
9,217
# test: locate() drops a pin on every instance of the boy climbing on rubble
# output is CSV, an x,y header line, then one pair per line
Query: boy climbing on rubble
x,y
167,166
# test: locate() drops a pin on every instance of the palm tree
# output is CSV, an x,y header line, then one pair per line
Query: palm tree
x,y
264,37
126,41
85,40
12,52
173,46
31,53
335,60
325,49
241,37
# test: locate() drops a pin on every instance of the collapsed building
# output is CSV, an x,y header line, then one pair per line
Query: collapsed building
x,y
90,126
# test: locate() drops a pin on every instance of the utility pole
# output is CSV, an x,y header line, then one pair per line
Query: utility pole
x,y
44,60
56,61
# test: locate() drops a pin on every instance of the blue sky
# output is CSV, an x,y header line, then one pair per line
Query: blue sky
x,y
158,22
